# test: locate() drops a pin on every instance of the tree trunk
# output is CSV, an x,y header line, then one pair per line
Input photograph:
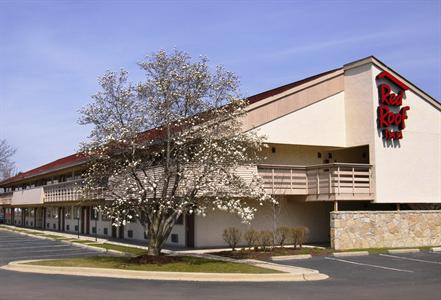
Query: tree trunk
x,y
158,231
154,247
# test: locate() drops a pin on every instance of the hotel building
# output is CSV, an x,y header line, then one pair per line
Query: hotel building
x,y
354,155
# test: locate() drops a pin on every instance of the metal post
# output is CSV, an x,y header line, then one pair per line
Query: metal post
x,y
95,213
78,227
335,205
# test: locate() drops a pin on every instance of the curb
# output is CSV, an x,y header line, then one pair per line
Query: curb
x,y
350,253
396,251
18,266
289,257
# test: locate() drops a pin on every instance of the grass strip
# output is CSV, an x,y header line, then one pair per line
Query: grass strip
x,y
188,264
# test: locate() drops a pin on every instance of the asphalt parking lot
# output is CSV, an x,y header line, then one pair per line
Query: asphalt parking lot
x,y
381,276
15,246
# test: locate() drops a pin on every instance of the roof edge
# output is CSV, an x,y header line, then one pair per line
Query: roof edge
x,y
375,61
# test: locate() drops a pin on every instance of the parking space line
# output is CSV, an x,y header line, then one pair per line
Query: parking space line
x,y
412,259
13,238
36,243
17,242
368,265
33,247
56,250
51,256
23,241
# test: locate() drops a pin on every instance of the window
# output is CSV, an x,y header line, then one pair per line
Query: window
x,y
94,213
76,227
93,229
68,213
145,235
48,225
52,212
105,230
76,212
174,238
68,227
130,233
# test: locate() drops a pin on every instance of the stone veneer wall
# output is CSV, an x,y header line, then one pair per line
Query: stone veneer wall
x,y
377,229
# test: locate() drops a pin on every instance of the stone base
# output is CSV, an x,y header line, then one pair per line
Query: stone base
x,y
385,229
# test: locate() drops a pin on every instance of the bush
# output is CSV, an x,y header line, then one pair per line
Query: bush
x,y
232,237
266,239
298,236
282,235
252,238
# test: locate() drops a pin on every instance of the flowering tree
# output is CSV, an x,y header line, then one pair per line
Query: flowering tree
x,y
171,145
7,166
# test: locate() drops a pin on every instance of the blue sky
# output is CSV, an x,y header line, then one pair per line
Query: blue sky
x,y
51,52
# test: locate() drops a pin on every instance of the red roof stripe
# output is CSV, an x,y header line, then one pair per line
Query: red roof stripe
x,y
392,78
56,164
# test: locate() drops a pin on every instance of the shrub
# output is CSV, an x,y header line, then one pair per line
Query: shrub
x,y
281,235
251,237
298,236
231,236
266,239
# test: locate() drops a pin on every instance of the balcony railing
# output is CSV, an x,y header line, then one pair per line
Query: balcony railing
x,y
337,181
5,198
62,192
68,191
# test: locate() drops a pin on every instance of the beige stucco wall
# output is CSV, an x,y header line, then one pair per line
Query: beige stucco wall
x,y
315,216
410,170
321,123
26,197
405,171
294,154
377,229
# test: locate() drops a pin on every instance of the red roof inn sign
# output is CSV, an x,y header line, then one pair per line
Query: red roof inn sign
x,y
391,115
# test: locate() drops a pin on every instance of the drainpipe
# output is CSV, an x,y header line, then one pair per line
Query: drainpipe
x,y
398,207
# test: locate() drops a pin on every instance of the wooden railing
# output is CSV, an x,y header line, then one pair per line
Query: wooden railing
x,y
338,181
5,198
284,179
64,191
68,191
319,182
